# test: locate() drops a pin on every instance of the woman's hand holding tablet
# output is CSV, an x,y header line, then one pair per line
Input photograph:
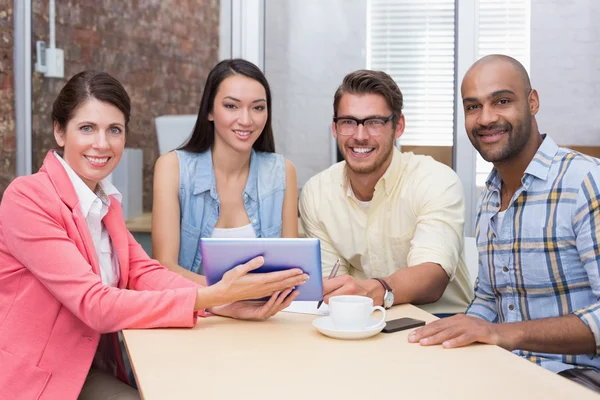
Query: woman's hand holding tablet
x,y
238,284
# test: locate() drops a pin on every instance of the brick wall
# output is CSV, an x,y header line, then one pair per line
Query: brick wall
x,y
161,51
7,96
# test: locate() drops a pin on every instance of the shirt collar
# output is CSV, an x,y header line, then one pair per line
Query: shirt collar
x,y
85,194
205,176
539,166
389,178
542,161
251,188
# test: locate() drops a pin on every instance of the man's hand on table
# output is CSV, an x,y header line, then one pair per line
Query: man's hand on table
x,y
257,310
457,331
348,285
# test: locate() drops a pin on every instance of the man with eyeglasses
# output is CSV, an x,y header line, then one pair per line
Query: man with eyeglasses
x,y
394,220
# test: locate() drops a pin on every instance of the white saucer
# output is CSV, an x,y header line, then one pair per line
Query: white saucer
x,y
326,327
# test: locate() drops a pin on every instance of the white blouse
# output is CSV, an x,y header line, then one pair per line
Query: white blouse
x,y
94,207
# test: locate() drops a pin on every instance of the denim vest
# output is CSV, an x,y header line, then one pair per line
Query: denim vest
x,y
200,206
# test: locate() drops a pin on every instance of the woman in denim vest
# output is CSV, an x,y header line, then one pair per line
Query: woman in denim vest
x,y
231,183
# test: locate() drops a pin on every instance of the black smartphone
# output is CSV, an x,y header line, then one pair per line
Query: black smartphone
x,y
401,324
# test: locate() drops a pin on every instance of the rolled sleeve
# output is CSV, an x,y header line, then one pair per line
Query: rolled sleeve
x,y
483,305
591,317
438,236
586,222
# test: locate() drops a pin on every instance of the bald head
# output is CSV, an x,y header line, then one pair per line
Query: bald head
x,y
499,63
500,108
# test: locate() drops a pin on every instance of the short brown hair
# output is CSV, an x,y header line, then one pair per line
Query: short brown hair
x,y
365,81
89,85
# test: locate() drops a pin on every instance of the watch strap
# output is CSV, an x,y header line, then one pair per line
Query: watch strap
x,y
384,284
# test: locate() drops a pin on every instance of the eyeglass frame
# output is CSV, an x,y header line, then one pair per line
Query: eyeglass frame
x,y
385,120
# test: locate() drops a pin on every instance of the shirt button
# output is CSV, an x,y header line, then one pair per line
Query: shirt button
x,y
511,307
245,195
254,220
497,204
505,269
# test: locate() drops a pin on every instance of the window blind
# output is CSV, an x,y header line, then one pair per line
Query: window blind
x,y
413,41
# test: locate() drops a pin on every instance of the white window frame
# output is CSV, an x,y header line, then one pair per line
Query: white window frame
x,y
464,154
23,87
242,30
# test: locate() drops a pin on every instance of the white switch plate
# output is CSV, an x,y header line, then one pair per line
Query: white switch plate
x,y
55,63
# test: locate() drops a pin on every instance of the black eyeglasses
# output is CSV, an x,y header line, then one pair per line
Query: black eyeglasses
x,y
347,126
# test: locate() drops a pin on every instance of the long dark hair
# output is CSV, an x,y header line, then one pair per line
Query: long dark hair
x,y
89,85
203,135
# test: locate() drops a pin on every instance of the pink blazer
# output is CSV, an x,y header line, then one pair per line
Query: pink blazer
x,y
53,306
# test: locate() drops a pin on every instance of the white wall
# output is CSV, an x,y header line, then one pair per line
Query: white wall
x,y
565,69
310,45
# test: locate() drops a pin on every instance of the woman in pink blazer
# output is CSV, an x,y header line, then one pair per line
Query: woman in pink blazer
x,y
71,275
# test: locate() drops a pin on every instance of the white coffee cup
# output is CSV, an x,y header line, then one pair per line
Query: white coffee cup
x,y
353,312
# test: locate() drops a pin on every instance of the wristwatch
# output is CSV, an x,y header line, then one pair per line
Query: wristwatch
x,y
388,296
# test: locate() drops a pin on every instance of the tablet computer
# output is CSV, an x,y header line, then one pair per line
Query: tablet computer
x,y
219,255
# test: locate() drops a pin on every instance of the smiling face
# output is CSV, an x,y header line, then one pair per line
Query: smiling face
x,y
93,140
499,110
366,154
239,112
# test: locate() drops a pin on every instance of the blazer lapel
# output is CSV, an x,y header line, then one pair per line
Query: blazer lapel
x,y
86,237
115,225
60,179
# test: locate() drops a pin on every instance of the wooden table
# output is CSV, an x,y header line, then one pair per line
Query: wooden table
x,y
286,358
141,224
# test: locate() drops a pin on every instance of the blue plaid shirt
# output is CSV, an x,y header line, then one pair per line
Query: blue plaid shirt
x,y
544,261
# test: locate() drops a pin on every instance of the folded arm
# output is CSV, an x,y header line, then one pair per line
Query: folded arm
x,y
575,333
562,335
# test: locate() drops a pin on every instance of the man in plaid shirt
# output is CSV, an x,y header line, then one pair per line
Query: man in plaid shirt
x,y
538,234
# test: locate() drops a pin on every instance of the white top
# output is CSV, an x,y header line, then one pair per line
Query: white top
x,y
94,207
242,232
363,204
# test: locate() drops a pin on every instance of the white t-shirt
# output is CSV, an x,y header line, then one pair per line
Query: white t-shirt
x,y
499,219
245,232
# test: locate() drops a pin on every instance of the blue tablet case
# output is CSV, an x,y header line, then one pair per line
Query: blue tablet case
x,y
219,255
